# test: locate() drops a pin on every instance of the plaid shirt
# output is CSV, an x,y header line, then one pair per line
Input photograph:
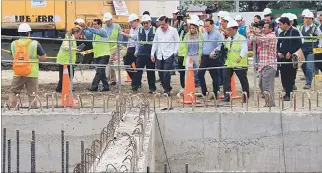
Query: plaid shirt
x,y
267,52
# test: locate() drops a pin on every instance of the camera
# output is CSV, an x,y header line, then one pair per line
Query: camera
x,y
258,24
211,9
182,13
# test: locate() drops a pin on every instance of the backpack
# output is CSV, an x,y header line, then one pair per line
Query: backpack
x,y
20,67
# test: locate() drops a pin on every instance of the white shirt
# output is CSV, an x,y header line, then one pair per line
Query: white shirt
x,y
165,50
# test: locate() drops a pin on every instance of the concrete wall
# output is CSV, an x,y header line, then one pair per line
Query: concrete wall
x,y
77,126
240,141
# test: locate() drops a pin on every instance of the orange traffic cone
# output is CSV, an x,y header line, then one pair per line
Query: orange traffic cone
x,y
66,89
233,89
128,78
189,86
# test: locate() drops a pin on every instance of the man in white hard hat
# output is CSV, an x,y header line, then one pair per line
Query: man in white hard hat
x,y
285,49
130,58
268,15
101,52
143,54
114,33
237,60
242,27
309,29
25,74
267,60
165,52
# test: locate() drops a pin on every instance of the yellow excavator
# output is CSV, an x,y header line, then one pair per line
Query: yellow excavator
x,y
51,19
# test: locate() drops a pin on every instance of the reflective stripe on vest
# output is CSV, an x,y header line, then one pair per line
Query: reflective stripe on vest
x,y
309,40
63,56
100,48
141,32
32,51
114,35
234,53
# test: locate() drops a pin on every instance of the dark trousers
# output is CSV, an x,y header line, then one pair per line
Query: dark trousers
x,y
141,62
205,63
165,77
318,57
242,76
61,74
288,74
182,73
100,72
128,59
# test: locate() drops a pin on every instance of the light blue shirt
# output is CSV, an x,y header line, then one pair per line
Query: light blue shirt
x,y
109,29
193,48
216,37
134,37
90,31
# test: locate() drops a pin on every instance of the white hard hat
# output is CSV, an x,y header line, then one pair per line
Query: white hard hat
x,y
232,23
194,17
201,23
290,16
133,17
238,17
278,20
225,13
294,16
306,11
24,27
193,22
309,15
227,18
146,18
284,15
175,11
79,21
107,16
220,13
267,11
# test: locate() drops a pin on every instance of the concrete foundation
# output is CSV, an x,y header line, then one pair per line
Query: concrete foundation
x,y
78,126
239,141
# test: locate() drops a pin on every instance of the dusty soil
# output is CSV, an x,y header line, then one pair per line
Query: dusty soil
x,y
48,82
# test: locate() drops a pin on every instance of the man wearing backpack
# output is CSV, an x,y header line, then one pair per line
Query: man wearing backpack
x,y
25,74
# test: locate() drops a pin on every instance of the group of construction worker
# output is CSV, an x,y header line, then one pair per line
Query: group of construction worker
x,y
172,44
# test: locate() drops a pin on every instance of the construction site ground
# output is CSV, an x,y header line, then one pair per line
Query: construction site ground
x,y
48,82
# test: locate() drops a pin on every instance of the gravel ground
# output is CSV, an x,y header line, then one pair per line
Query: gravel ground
x,y
48,82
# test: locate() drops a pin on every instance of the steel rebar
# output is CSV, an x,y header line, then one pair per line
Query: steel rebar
x,y
9,155
82,156
62,152
67,156
268,99
18,150
245,96
4,140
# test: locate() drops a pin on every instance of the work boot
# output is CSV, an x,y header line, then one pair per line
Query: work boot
x,y
92,89
286,98
307,86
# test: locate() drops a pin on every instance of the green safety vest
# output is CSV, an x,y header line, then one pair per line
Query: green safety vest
x,y
63,56
100,48
32,51
234,53
309,40
181,51
185,47
114,35
147,42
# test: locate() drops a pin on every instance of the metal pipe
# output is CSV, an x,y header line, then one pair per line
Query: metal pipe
x,y
82,156
317,98
33,157
268,99
4,149
36,98
279,98
46,95
293,95
18,150
308,95
67,156
245,96
192,101
19,104
167,96
9,156
62,152
187,170
230,100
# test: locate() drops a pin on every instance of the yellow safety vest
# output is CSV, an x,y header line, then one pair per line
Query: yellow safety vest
x,y
100,48
181,51
309,40
234,52
63,56
32,51
114,35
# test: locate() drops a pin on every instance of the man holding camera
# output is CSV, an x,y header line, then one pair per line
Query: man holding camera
x,y
176,22
208,57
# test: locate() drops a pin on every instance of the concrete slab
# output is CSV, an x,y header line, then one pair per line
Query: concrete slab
x,y
78,126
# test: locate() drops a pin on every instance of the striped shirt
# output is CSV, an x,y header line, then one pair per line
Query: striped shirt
x,y
134,37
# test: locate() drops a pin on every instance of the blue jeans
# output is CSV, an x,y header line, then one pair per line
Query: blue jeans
x,y
309,68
